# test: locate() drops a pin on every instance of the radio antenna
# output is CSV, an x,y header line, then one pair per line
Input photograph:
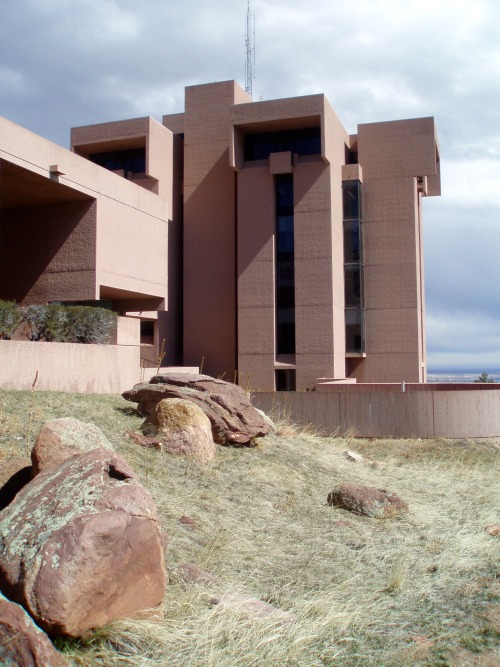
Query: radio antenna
x,y
250,51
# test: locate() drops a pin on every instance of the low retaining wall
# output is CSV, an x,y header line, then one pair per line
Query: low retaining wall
x,y
375,411
99,369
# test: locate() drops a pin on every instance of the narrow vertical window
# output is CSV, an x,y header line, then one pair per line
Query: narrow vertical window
x,y
285,274
353,267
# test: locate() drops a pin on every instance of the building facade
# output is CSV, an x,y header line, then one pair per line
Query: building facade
x,y
260,240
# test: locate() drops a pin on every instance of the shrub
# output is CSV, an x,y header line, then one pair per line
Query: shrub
x,y
56,324
63,324
10,318
35,318
485,379
86,324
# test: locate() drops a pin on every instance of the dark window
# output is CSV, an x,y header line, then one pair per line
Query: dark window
x,y
353,281
352,240
285,380
351,199
285,273
306,141
353,267
132,161
354,330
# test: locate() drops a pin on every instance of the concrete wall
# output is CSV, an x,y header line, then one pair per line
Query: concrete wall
x,y
393,155
209,229
448,412
47,253
100,369
256,274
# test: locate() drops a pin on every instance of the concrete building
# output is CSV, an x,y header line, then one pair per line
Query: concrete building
x,y
259,239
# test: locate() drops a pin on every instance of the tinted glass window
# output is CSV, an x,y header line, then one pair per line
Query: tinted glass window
x,y
306,141
351,199
132,161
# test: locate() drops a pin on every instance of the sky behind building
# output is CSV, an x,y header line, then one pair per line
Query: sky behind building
x,y
65,63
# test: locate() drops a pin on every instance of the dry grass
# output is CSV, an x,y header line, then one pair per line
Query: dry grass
x,y
419,591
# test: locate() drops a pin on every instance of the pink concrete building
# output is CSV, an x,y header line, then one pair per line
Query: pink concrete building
x,y
258,239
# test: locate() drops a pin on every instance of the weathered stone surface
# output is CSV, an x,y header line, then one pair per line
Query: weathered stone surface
x,y
61,438
14,474
186,521
184,429
367,500
247,605
22,643
355,457
192,573
81,545
234,419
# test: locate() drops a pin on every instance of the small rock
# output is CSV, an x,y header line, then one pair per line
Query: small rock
x,y
357,458
194,574
368,501
343,524
147,441
247,605
186,521
493,531
354,456
61,438
22,643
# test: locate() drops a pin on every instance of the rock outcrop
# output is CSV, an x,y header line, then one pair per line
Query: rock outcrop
x,y
81,545
61,438
22,643
367,500
234,419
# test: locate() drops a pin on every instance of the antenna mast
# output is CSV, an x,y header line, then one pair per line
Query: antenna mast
x,y
250,51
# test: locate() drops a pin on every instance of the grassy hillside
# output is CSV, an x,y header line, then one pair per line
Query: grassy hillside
x,y
424,590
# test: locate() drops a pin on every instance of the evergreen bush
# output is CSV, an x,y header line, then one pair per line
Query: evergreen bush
x,y
10,318
86,324
63,324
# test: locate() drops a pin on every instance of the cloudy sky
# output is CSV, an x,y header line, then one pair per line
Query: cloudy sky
x,y
74,62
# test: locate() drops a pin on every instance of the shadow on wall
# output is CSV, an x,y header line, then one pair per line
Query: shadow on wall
x,y
47,252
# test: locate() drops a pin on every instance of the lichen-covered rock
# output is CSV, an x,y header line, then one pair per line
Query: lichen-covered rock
x,y
22,643
367,500
184,429
61,438
14,474
81,545
234,419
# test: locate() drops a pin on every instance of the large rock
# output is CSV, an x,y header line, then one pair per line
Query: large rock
x,y
234,419
81,545
61,438
14,474
22,643
184,429
367,500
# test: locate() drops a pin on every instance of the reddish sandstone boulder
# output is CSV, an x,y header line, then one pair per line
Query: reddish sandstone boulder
x,y
184,429
61,438
234,419
81,545
22,643
367,500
